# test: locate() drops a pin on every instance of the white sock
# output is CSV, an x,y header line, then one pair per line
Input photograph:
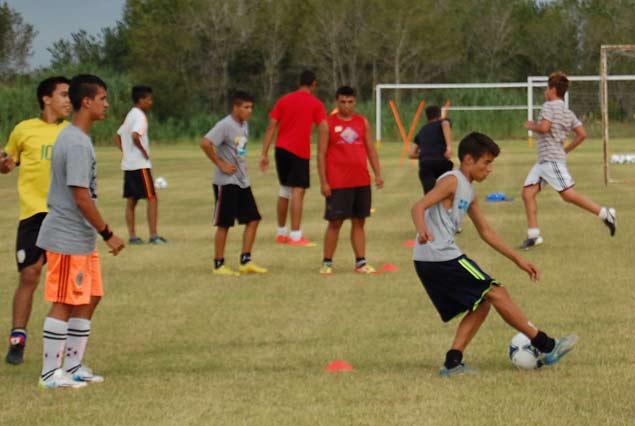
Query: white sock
x,y
78,332
296,235
284,231
54,341
533,232
604,213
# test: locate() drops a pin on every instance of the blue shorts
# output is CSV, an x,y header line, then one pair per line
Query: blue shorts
x,y
454,286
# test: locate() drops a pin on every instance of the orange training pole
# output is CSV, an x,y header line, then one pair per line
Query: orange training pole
x,y
406,138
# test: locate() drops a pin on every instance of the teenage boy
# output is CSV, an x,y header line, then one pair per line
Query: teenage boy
x,y
68,234
225,145
133,141
455,283
343,157
293,118
30,146
555,122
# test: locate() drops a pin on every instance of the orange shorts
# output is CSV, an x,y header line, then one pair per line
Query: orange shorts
x,y
72,278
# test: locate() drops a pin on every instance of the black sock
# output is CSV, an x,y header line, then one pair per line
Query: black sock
x,y
219,262
327,261
543,343
360,261
245,258
453,358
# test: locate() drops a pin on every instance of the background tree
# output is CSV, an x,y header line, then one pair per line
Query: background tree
x,y
16,38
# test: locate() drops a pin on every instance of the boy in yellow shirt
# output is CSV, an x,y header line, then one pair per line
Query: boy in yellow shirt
x,y
30,146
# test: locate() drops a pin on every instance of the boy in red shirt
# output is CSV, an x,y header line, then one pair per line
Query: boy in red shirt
x,y
343,159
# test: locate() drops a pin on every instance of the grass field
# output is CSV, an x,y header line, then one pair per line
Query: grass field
x,y
179,346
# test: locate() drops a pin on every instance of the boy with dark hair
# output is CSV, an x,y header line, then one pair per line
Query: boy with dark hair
x,y
225,145
555,122
30,145
433,148
293,118
455,283
343,157
73,281
133,141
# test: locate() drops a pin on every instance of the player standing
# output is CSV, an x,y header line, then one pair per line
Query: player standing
x,y
133,141
555,122
68,234
226,144
455,283
343,157
29,147
292,118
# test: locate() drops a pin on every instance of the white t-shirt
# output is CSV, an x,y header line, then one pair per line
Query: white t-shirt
x,y
135,122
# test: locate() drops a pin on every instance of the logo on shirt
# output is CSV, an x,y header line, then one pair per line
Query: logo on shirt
x,y
463,205
79,278
349,135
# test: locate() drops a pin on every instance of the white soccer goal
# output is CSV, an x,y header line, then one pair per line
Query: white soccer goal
x,y
618,102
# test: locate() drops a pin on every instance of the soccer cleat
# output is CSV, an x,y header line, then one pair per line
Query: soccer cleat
x,y
251,268
460,369
282,239
531,242
563,346
365,269
610,220
302,242
135,241
17,342
158,240
326,269
60,379
226,271
85,374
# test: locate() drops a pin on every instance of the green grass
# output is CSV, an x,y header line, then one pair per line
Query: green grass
x,y
179,346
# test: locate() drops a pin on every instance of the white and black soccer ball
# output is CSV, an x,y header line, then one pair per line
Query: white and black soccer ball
x,y
160,182
522,354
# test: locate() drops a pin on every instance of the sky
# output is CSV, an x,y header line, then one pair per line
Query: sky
x,y
56,19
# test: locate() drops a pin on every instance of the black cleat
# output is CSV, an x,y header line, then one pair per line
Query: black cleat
x,y
15,355
610,220
531,242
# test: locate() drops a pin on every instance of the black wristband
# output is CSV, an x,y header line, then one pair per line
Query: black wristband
x,y
106,233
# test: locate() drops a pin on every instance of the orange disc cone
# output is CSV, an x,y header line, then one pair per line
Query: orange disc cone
x,y
388,267
409,243
338,366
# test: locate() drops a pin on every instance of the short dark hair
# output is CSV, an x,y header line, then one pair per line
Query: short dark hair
x,y
432,112
48,86
84,86
239,97
307,78
345,91
560,81
140,92
477,144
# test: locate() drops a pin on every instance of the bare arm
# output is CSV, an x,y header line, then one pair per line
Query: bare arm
x,y
495,241
543,127
447,135
89,210
208,148
270,132
117,140
413,151
373,157
444,189
323,144
136,139
580,135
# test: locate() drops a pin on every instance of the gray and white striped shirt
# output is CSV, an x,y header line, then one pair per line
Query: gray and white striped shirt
x,y
563,121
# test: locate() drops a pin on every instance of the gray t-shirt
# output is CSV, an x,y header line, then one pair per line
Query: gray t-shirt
x,y
73,163
230,140
443,223
563,121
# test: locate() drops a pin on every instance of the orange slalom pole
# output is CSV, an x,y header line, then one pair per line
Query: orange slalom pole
x,y
411,132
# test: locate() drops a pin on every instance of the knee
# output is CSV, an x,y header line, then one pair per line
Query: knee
x,y
527,194
30,276
567,195
496,294
335,224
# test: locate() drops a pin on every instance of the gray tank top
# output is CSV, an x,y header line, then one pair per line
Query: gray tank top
x,y
443,223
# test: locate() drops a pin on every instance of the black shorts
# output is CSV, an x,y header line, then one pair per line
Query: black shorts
x,y
26,252
346,203
292,170
138,184
431,169
454,286
233,202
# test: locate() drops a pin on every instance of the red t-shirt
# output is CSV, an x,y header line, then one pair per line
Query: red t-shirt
x,y
346,155
296,113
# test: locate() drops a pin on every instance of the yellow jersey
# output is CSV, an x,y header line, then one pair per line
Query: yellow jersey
x,y
31,145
